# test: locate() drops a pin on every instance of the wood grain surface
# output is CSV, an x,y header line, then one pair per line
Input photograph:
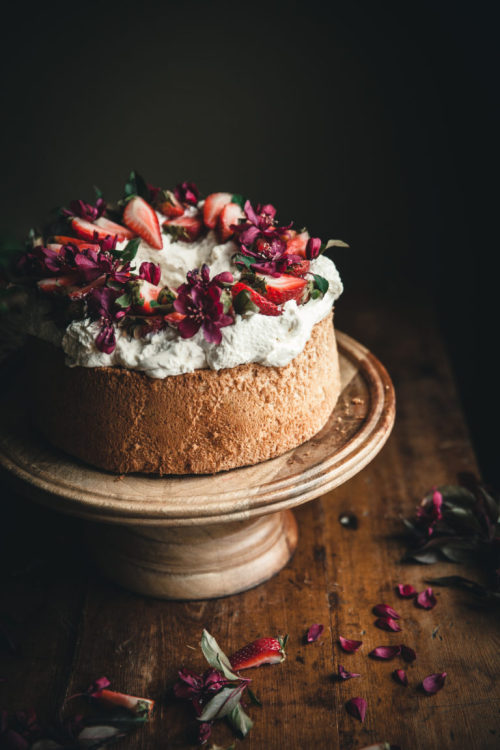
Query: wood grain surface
x,y
71,626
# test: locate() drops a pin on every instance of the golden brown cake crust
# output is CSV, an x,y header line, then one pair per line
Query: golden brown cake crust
x,y
197,423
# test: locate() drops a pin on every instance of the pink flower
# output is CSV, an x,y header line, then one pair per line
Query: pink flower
x,y
187,192
406,590
348,645
426,599
313,247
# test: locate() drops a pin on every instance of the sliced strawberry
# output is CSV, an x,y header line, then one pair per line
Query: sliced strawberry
x,y
264,305
261,651
282,288
143,293
139,706
212,207
230,214
169,205
58,284
184,228
112,228
140,217
300,268
89,231
297,244
83,244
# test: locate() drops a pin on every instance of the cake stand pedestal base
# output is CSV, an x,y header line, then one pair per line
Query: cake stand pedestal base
x,y
194,562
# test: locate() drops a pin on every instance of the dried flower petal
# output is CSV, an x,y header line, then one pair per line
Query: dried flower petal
x,y
426,599
344,675
383,610
348,645
406,590
408,653
400,676
314,633
433,682
357,708
385,652
387,623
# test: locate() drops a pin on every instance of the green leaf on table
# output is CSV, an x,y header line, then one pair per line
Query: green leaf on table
x,y
240,721
222,704
215,656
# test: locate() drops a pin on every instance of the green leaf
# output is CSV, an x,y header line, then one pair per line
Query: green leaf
x,y
240,720
253,697
215,656
242,303
335,243
455,495
222,704
244,260
124,301
136,185
320,283
239,199
98,192
130,250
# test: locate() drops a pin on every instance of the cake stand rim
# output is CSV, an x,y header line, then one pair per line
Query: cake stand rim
x,y
241,504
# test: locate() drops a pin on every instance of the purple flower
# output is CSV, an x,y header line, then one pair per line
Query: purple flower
x,y
313,247
106,339
260,223
150,272
85,210
187,192
269,255
198,689
430,511
203,309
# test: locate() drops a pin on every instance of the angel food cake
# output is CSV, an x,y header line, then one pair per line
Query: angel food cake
x,y
175,335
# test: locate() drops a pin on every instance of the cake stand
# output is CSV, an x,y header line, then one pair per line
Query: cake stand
x,y
201,537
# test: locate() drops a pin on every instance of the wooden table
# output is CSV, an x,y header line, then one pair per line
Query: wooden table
x,y
71,626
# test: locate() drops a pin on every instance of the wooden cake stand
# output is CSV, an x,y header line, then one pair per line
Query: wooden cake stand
x,y
200,537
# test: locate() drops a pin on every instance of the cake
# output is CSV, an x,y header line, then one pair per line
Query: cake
x,y
173,335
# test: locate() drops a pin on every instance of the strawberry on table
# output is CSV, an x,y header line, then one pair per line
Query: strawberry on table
x,y
212,207
92,231
184,228
280,289
254,298
139,706
142,219
230,214
261,651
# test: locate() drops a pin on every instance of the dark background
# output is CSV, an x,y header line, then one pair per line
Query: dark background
x,y
373,122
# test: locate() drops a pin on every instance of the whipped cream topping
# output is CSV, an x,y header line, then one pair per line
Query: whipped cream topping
x,y
263,339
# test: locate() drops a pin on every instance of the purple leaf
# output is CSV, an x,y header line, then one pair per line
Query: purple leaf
x,y
344,675
314,633
385,652
433,682
406,590
357,708
349,646
387,623
400,676
426,599
383,610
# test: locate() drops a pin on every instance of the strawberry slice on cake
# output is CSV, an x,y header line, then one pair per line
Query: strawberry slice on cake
x,y
142,219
